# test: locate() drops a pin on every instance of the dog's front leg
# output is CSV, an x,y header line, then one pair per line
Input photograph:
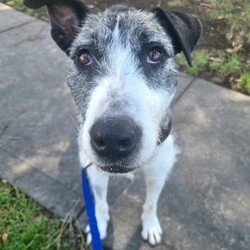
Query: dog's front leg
x,y
155,173
151,228
99,185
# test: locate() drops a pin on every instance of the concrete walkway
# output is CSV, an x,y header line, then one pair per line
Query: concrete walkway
x,y
206,201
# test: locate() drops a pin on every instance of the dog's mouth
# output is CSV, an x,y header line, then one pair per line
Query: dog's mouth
x,y
117,169
120,166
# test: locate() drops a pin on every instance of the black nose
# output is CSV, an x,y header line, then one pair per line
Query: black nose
x,y
115,138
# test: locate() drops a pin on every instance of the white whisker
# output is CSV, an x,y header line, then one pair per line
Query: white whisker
x,y
73,121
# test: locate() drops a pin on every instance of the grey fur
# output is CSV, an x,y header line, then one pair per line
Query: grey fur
x,y
97,32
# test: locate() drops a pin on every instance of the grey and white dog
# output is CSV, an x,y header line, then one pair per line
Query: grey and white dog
x,y
122,76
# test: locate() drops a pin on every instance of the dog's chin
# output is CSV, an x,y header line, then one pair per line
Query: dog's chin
x,y
117,169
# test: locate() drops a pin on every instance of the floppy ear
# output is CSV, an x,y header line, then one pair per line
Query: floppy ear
x,y
183,29
66,17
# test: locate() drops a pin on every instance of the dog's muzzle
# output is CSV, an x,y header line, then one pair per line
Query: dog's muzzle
x,y
115,139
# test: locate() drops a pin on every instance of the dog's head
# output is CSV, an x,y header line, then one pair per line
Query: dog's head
x,y
122,75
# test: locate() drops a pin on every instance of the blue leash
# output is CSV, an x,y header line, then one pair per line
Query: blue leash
x,y
90,209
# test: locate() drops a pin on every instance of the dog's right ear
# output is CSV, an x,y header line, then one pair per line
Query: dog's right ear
x,y
66,17
184,30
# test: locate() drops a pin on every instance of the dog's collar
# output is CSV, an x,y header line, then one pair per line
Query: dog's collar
x,y
165,131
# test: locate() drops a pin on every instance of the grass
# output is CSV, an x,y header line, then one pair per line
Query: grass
x,y
25,225
219,67
236,13
226,64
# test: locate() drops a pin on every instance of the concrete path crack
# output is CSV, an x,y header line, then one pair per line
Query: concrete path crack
x,y
17,26
5,126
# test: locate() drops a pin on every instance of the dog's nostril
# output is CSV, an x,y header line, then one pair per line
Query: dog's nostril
x,y
99,143
124,144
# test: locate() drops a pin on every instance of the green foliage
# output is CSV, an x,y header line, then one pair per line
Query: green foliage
x,y
246,81
217,66
18,4
24,225
228,66
224,63
199,60
235,14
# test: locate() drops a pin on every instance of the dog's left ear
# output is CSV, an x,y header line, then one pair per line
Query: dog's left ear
x,y
183,29
66,17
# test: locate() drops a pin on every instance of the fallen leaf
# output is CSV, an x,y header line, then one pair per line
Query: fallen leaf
x,y
239,80
221,17
4,237
229,50
32,38
206,5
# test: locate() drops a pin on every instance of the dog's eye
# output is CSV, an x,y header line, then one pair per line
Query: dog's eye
x,y
154,55
85,58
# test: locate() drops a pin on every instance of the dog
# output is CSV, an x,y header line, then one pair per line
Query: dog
x,y
122,76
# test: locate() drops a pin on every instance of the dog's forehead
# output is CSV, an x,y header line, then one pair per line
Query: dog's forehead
x,y
135,27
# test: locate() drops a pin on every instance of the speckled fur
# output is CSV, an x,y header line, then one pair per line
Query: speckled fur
x,y
97,31
122,83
